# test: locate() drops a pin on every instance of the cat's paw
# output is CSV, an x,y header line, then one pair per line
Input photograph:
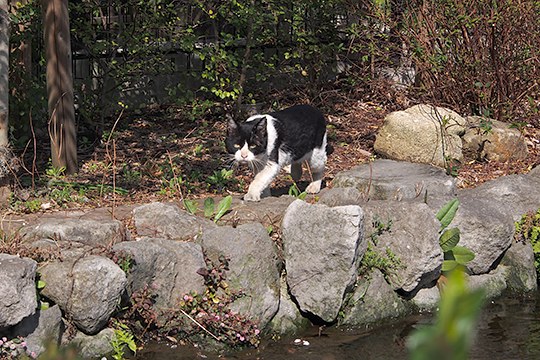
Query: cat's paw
x,y
314,187
250,196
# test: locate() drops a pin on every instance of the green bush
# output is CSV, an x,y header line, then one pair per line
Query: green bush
x,y
528,229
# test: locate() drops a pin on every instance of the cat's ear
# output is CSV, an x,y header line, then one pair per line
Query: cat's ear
x,y
261,125
231,123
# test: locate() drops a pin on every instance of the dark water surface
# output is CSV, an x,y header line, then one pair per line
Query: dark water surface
x,y
508,328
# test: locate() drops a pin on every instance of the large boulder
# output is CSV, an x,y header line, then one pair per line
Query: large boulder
x,y
373,300
92,233
495,141
511,195
412,235
87,289
485,229
94,346
253,268
17,289
168,221
322,248
267,212
288,319
169,268
397,180
41,329
421,134
519,259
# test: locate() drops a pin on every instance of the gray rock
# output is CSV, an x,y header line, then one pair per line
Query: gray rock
x,y
396,180
159,220
373,300
341,196
413,237
519,259
268,211
511,195
87,290
253,268
94,346
493,284
168,267
500,143
41,329
288,319
322,248
484,229
87,232
17,289
421,134
427,299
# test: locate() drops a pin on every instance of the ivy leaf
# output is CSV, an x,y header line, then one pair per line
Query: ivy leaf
x,y
449,239
223,206
447,213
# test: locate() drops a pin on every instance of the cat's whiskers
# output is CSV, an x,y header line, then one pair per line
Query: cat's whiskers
x,y
257,164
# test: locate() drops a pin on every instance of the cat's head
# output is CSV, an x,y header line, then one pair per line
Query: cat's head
x,y
247,140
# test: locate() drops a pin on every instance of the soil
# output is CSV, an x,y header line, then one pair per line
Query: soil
x,y
163,153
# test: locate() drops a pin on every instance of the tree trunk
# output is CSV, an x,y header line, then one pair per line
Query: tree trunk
x,y
4,72
62,129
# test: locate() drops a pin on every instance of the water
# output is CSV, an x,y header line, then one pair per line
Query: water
x,y
508,328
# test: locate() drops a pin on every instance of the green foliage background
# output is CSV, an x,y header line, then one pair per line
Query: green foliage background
x,y
476,57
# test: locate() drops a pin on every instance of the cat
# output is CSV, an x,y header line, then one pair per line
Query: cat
x,y
269,142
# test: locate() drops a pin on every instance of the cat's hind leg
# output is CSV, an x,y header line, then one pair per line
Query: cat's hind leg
x,y
317,164
296,171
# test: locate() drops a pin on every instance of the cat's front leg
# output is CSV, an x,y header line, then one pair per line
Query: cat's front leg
x,y
262,181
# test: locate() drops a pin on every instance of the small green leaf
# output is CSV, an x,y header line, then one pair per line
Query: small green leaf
x,y
449,239
293,190
462,255
41,284
449,265
223,206
302,195
208,207
190,206
447,213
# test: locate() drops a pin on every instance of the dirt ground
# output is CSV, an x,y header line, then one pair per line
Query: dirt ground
x,y
161,153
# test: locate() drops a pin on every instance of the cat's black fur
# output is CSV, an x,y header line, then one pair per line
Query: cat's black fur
x,y
271,141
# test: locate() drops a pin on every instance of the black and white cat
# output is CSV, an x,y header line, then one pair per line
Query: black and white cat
x,y
272,141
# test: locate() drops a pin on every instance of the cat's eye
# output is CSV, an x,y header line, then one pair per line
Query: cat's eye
x,y
236,146
252,146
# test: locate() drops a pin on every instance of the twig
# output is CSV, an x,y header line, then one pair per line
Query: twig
x,y
199,325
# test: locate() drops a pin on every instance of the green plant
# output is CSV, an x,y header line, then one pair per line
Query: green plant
x,y
123,260
387,262
13,348
55,173
454,255
295,191
41,301
191,206
220,179
528,229
209,313
122,338
452,334
211,211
